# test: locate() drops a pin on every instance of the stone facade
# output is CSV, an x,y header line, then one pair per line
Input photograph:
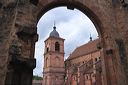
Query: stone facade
x,y
18,20
53,71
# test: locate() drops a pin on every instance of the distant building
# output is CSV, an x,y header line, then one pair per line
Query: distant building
x,y
54,71
83,66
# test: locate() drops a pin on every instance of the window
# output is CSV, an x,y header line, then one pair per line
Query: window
x,y
99,58
95,59
47,49
57,46
87,77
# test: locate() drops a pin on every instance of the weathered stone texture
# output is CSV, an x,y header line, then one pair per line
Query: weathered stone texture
x,y
7,18
18,19
110,30
13,13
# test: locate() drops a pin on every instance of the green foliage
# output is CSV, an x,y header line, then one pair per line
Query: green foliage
x,y
37,78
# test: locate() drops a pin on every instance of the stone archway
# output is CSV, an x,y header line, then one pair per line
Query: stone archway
x,y
109,17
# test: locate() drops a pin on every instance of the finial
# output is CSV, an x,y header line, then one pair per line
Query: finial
x,y
90,37
54,25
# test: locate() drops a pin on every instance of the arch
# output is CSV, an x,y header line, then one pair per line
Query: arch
x,y
57,46
71,5
96,19
85,9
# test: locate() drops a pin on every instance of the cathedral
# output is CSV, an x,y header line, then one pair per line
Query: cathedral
x,y
82,67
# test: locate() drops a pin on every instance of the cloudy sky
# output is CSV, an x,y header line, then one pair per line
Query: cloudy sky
x,y
72,25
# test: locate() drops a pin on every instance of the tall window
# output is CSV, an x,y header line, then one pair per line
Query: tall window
x,y
47,49
57,46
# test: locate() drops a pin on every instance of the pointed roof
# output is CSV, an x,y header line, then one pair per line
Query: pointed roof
x,y
85,49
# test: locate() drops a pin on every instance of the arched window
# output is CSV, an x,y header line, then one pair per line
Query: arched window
x,y
47,49
57,46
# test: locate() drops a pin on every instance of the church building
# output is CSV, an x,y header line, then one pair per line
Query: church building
x,y
83,66
54,71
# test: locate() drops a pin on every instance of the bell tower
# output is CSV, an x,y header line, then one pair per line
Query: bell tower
x,y
53,71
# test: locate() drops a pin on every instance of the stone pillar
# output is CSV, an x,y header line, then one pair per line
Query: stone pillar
x,y
7,19
108,65
21,55
20,71
20,68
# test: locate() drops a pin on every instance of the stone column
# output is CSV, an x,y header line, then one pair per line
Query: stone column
x,y
108,64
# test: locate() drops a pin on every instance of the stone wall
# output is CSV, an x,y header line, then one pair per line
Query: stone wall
x,y
18,19
18,31
7,19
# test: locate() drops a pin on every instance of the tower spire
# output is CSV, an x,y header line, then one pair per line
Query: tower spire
x,y
54,27
90,37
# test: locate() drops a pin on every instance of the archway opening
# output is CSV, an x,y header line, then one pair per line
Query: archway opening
x,y
73,25
92,19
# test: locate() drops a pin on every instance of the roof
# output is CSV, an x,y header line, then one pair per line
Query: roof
x,y
54,33
85,49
